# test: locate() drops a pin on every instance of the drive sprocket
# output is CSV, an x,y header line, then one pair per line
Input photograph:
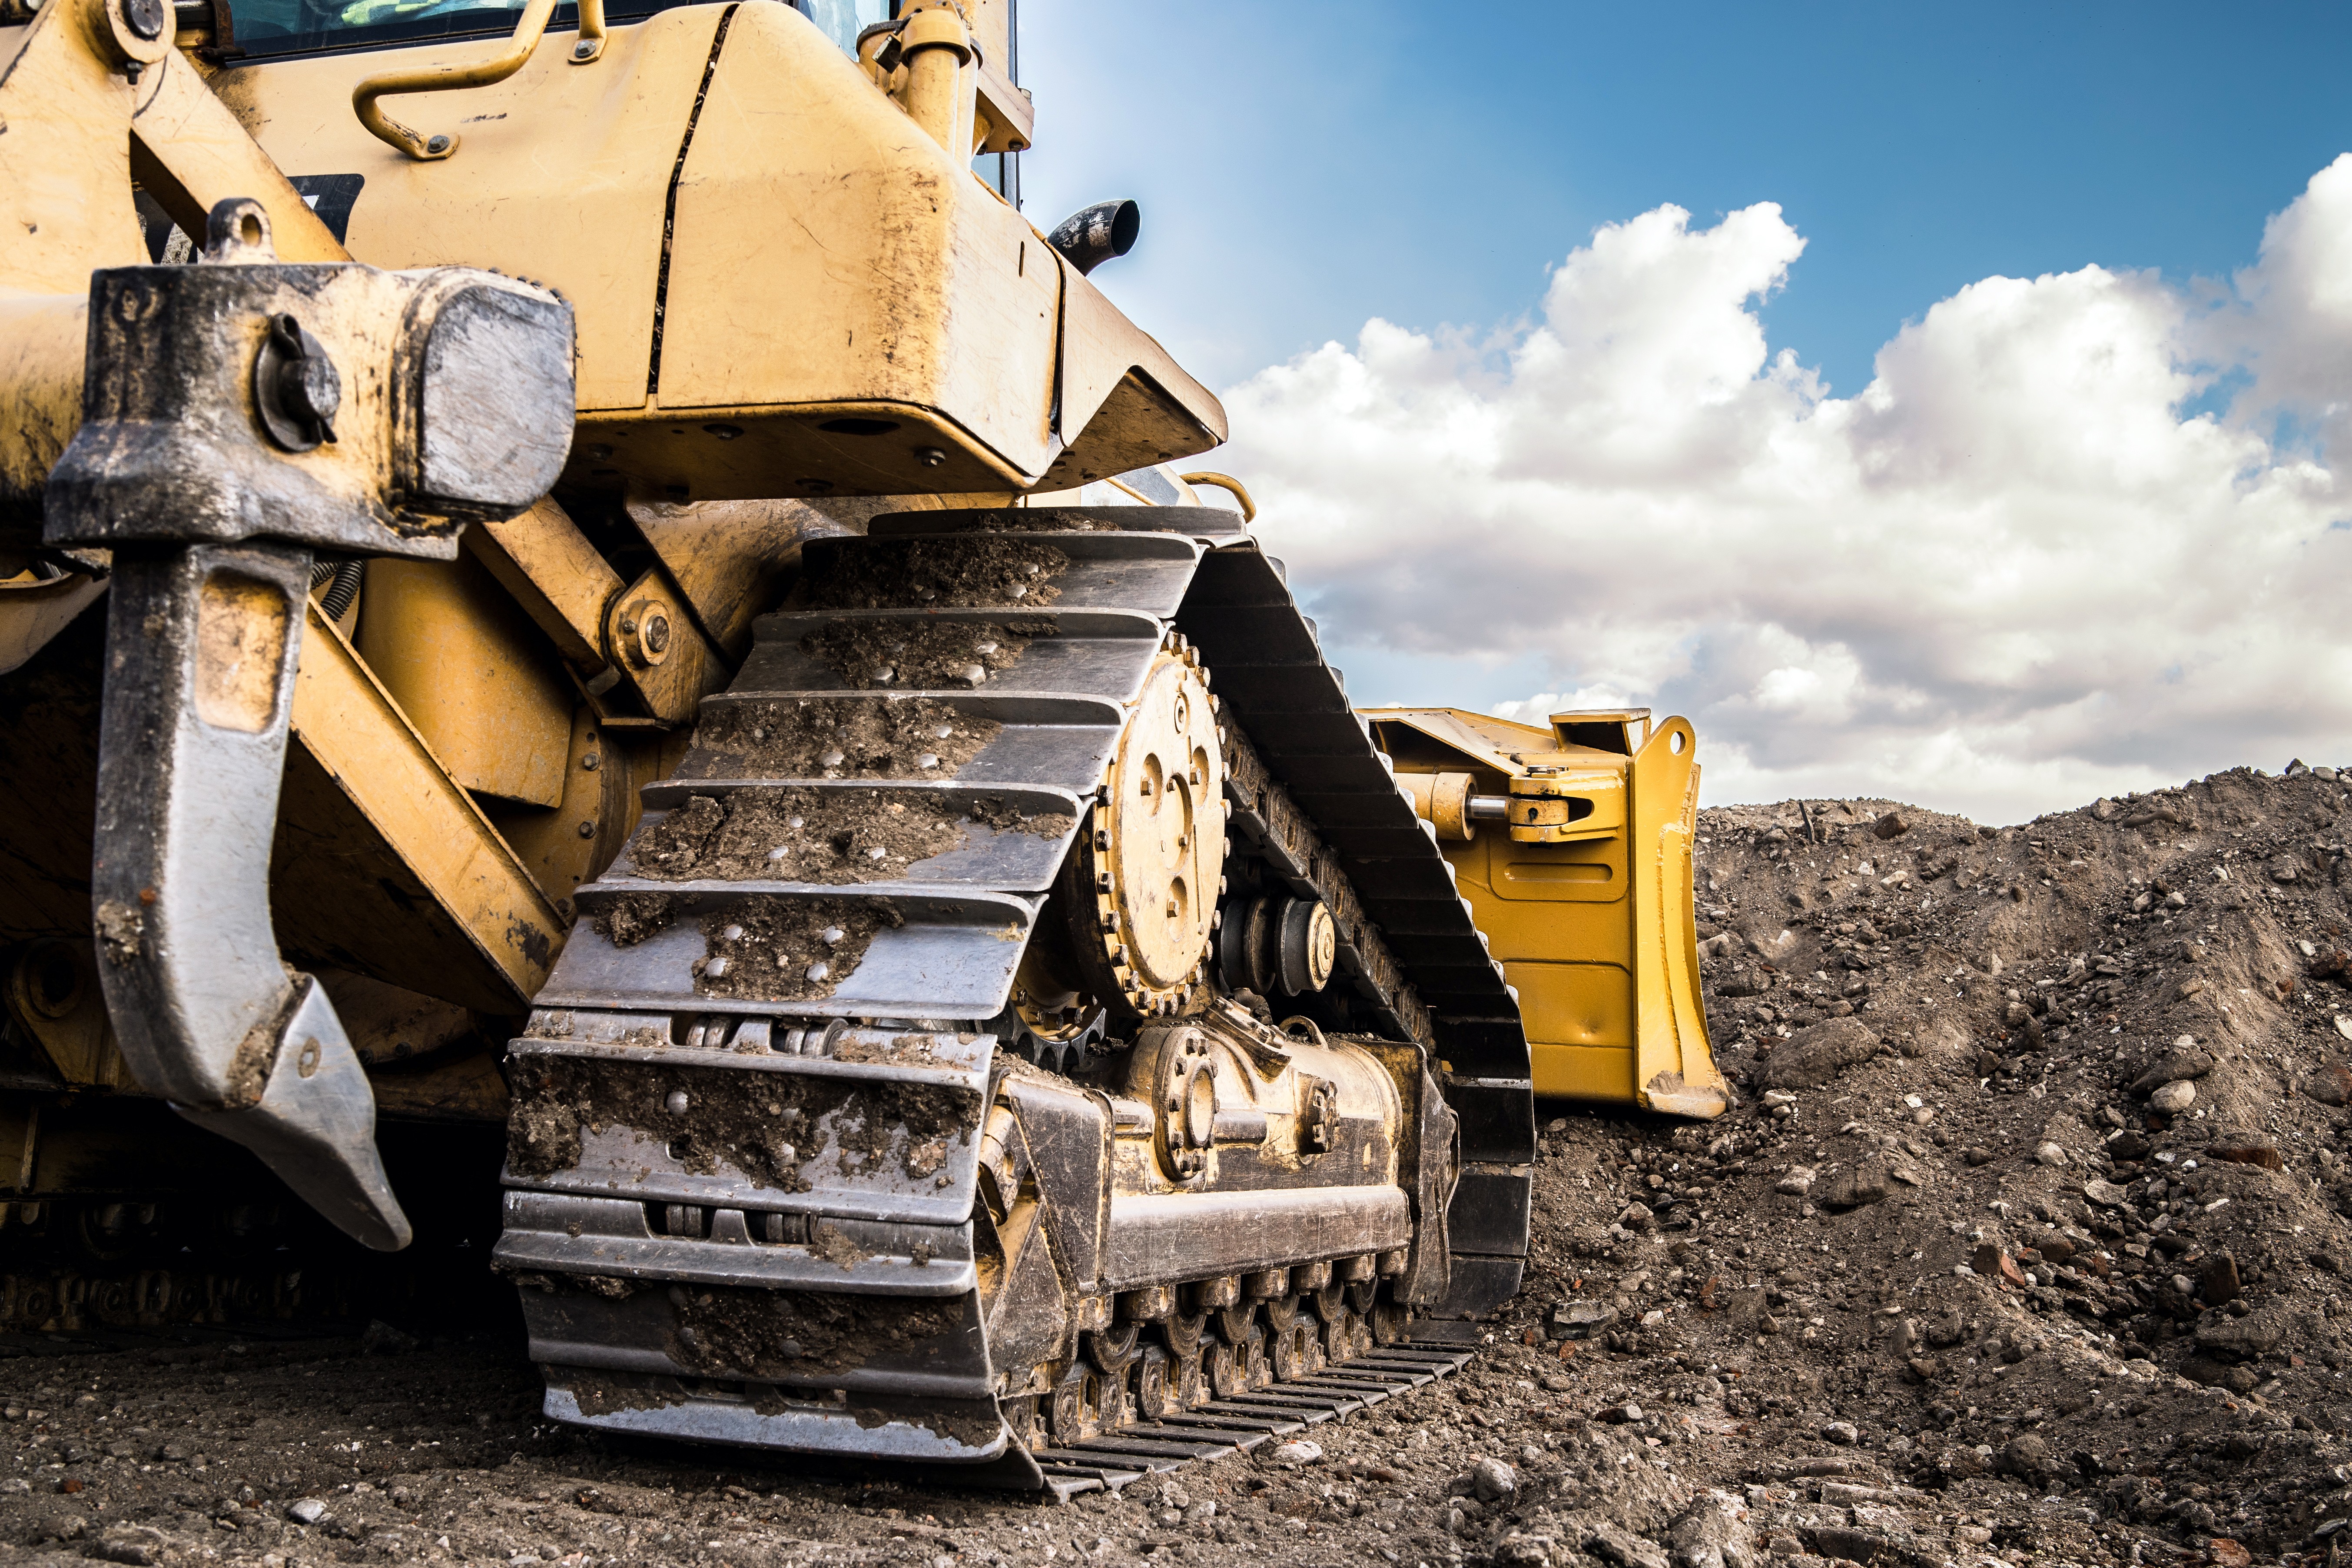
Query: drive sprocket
x,y
1148,865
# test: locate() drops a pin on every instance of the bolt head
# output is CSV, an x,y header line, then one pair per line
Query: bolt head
x,y
311,388
437,145
144,17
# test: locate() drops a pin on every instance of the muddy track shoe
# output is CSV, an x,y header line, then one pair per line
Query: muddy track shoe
x,y
1030,1035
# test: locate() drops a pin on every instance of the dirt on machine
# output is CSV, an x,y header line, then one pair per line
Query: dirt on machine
x,y
609,656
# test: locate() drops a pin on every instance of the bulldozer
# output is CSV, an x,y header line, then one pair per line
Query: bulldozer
x,y
624,671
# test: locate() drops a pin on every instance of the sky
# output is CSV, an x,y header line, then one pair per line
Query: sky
x,y
1933,403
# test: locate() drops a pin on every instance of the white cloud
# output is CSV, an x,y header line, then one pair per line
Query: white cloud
x,y
2011,574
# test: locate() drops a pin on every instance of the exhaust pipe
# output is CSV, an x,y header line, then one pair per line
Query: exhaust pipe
x,y
1092,236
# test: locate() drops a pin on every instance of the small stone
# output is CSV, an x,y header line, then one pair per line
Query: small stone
x,y
676,1103
1851,1189
1992,1263
1620,1550
137,1546
1494,1480
381,1338
1776,1097
1713,1532
1587,1316
1637,1216
2106,1194
1890,825
2174,1097
2246,1151
2183,1060
306,1510
2026,1458
819,970
2217,1280
1621,1415
2258,1333
1797,1183
2223,1553
1841,1544
1520,1550
1841,1432
2050,1155
2332,1084
1976,1155
1299,1452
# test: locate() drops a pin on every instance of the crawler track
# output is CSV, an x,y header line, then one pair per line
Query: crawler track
x,y
774,1141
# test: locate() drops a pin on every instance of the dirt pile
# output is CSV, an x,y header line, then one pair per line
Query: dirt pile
x,y
2022,1245
2024,1241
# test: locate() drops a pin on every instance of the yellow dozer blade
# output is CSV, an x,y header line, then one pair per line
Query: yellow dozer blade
x,y
1573,845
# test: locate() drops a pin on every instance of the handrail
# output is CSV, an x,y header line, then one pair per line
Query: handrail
x,y
448,78
1225,482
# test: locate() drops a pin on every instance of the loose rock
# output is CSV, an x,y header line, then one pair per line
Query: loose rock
x,y
1813,1056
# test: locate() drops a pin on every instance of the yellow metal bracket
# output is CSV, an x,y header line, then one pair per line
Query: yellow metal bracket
x,y
482,73
1565,805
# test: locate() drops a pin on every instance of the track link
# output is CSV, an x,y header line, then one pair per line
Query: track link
x,y
773,1151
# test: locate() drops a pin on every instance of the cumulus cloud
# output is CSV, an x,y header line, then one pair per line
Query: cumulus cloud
x,y
2019,569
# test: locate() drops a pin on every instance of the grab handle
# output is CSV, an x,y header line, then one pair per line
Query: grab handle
x,y
482,73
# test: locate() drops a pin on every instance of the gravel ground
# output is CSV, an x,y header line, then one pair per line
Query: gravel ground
x,y
2023,1245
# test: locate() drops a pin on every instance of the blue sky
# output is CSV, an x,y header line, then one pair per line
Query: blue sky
x,y
1577,471
1303,167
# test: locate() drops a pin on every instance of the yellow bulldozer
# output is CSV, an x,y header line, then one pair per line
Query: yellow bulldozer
x,y
623,667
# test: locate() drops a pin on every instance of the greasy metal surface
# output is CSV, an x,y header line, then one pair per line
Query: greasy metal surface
x,y
1013,859
202,648
315,1125
1076,653
952,957
187,803
170,448
610,1238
